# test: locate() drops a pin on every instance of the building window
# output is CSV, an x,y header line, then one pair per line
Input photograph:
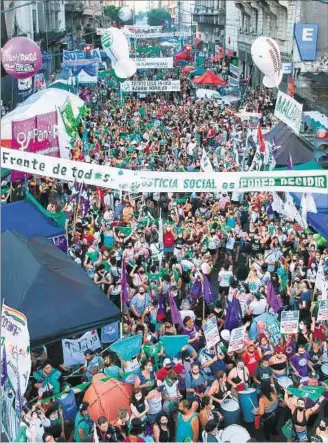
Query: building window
x,y
34,21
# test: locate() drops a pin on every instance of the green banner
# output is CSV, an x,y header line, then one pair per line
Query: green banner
x,y
58,217
66,111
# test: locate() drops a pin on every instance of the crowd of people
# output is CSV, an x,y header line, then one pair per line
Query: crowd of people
x,y
169,245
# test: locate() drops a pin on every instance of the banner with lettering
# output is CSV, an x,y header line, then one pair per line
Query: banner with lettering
x,y
234,70
289,322
81,58
153,181
110,333
73,350
154,63
15,349
289,111
150,86
233,82
38,134
66,112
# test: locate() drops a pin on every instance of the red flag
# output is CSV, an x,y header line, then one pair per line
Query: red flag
x,y
260,139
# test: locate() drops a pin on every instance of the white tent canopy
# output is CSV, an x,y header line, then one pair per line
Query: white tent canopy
x,y
48,100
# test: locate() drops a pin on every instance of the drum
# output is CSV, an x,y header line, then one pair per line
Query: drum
x,y
284,382
230,411
235,433
248,401
324,372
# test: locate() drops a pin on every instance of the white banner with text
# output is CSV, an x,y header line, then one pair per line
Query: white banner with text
x,y
151,86
154,181
154,63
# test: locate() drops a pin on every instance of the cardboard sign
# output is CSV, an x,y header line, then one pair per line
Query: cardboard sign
x,y
73,350
323,310
289,322
236,339
211,332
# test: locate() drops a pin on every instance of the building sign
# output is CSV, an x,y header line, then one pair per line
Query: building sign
x,y
151,86
154,63
289,111
287,68
306,37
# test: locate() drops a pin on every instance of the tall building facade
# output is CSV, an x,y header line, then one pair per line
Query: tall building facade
x,y
210,16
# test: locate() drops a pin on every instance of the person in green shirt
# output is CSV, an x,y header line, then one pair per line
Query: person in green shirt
x,y
47,379
83,424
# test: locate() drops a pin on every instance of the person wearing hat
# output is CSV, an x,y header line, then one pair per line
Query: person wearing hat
x,y
83,424
167,366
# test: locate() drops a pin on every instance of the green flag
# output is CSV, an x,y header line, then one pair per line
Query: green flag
x,y
66,111
311,392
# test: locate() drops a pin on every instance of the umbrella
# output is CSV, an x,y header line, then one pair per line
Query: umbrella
x,y
209,78
106,397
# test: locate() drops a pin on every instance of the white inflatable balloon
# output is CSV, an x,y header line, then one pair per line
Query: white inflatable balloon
x,y
115,44
125,14
266,56
272,82
125,68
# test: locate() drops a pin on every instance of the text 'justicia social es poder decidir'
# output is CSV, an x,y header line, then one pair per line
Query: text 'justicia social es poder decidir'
x,y
150,181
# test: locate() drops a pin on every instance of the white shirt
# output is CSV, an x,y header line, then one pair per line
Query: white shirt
x,y
224,278
258,306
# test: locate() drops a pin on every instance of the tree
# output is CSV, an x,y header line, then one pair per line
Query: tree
x,y
158,16
111,12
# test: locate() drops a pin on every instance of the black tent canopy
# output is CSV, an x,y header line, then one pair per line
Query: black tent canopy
x,y
54,293
289,145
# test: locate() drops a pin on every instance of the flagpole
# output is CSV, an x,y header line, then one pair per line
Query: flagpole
x,y
77,207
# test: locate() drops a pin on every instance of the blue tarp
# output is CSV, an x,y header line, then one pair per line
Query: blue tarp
x,y
26,219
318,221
56,295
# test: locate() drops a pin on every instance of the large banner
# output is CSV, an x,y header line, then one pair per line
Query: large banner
x,y
144,35
289,111
234,70
154,63
233,82
81,58
38,134
15,349
153,181
73,350
151,86
142,28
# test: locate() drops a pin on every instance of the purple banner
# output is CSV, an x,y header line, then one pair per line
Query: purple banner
x,y
38,134
60,242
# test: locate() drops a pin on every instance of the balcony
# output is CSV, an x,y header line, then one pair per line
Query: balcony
x,y
74,6
209,17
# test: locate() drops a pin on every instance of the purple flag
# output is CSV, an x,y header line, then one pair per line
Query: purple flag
x,y
4,369
84,200
290,163
124,284
234,316
161,307
273,298
75,192
196,290
175,313
208,294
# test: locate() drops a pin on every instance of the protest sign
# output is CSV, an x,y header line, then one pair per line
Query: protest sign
x,y
154,63
233,82
15,349
289,322
234,70
289,111
211,332
127,347
323,310
110,333
73,350
154,181
236,339
173,344
150,86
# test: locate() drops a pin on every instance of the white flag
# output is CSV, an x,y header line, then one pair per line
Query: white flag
x,y
205,163
95,435
321,283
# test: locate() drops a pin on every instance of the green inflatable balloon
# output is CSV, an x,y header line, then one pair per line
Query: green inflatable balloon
x,y
319,239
